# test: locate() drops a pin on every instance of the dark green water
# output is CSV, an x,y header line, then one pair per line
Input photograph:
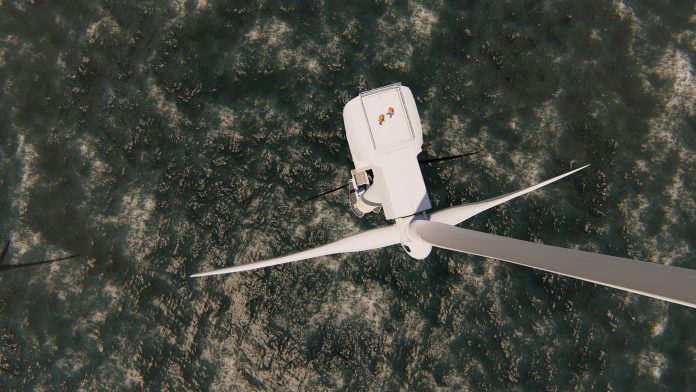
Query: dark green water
x,y
159,139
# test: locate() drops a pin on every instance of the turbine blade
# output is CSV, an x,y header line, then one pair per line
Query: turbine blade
x,y
371,239
668,283
458,214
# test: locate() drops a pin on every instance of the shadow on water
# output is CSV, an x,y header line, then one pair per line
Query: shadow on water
x,y
5,249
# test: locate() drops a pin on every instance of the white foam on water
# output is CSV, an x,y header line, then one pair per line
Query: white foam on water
x,y
23,240
3,57
136,213
660,325
133,379
394,50
72,362
226,350
422,21
595,35
624,11
351,301
661,248
28,156
651,363
632,208
454,127
166,108
165,332
637,34
227,127
227,117
270,33
20,5
258,245
106,24
312,65
238,352
551,125
530,162
679,195
688,37
202,5
675,65
339,222
678,102
529,169
98,167
677,99
114,294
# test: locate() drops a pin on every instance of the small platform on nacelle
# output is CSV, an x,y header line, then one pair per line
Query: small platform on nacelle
x,y
385,135
395,129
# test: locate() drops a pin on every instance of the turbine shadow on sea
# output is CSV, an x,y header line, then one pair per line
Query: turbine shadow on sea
x,y
6,248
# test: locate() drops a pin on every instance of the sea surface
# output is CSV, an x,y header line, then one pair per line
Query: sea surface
x,y
157,139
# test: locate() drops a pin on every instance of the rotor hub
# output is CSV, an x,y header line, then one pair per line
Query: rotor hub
x,y
410,240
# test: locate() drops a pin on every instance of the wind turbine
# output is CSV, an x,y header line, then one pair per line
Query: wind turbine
x,y
385,136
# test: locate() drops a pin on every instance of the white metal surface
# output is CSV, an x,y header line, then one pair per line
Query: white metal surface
x,y
389,145
371,239
404,189
395,128
668,283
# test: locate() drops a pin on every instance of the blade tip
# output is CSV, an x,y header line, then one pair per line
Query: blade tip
x,y
580,168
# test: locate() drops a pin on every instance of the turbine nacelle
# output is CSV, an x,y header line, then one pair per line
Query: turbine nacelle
x,y
385,136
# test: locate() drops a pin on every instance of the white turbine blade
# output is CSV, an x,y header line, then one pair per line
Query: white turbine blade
x,y
458,214
673,284
371,239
